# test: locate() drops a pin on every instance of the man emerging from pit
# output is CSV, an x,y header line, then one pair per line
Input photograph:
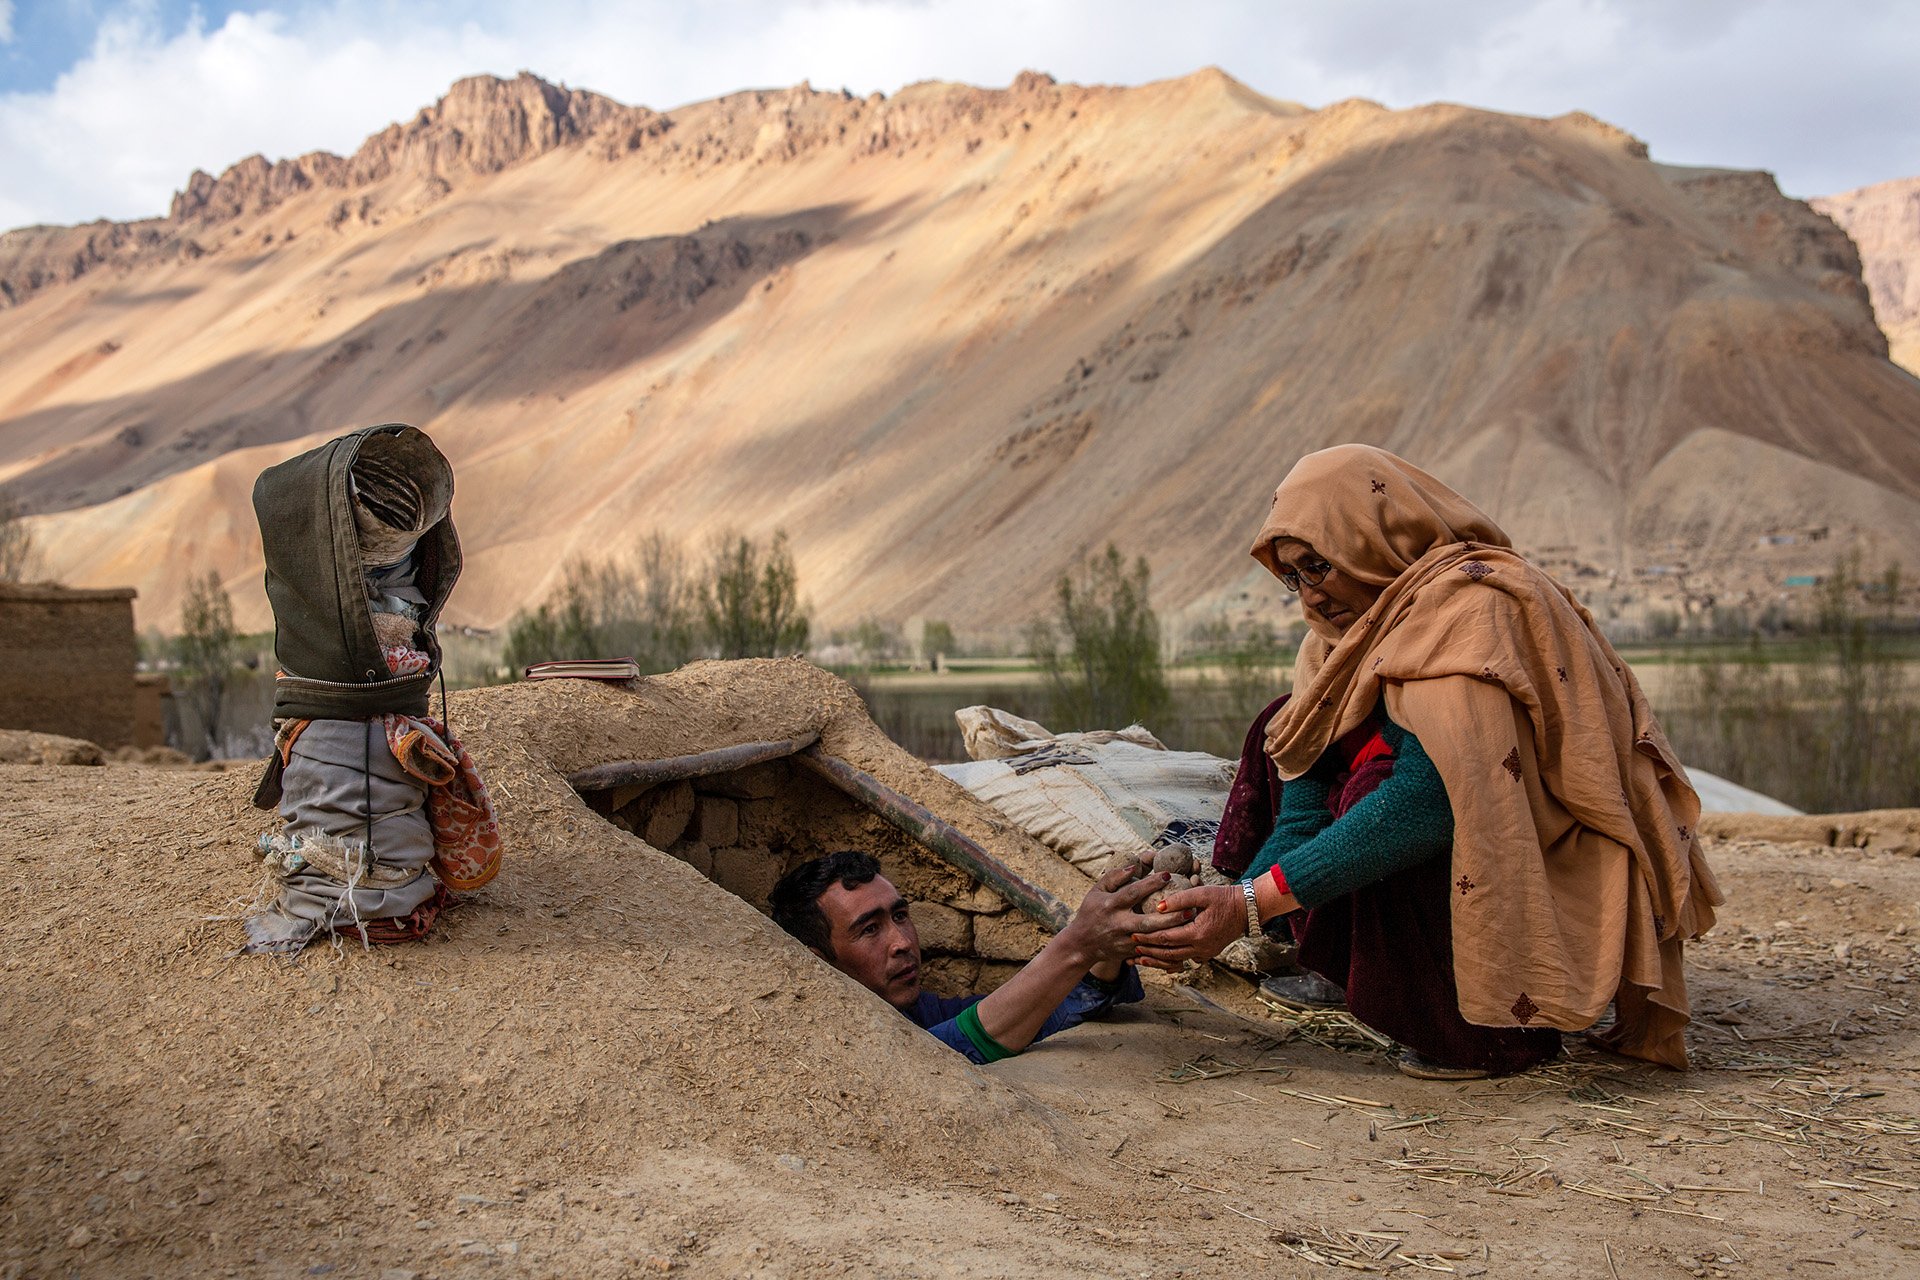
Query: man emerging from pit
x,y
852,917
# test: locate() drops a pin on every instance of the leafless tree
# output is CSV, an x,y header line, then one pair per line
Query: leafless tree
x,y
16,540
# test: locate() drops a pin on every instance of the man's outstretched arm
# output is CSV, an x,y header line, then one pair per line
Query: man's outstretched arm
x,y
1100,938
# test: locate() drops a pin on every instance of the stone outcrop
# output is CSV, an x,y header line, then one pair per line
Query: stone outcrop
x,y
946,338
483,125
1884,221
36,258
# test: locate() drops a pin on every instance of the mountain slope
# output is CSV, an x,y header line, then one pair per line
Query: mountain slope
x,y
951,338
1884,220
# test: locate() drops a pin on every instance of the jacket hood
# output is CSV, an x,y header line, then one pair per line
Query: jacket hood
x,y
326,516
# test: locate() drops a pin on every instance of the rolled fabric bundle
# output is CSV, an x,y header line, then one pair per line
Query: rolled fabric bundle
x,y
361,555
342,785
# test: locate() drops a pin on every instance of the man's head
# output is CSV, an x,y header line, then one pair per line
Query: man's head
x,y
853,918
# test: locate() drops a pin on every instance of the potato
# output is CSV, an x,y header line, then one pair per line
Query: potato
x,y
1175,859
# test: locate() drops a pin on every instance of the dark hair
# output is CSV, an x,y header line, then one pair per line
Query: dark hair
x,y
796,899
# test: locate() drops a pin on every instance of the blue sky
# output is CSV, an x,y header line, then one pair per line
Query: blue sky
x,y
107,105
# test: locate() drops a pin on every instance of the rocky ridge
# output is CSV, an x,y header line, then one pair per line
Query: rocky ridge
x,y
950,337
482,125
1884,221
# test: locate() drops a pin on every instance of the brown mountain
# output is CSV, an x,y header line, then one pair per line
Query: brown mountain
x,y
951,338
1884,220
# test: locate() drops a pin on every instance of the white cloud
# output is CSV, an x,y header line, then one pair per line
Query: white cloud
x,y
1751,83
6,21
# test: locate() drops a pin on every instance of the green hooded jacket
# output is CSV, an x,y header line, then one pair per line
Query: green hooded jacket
x,y
331,665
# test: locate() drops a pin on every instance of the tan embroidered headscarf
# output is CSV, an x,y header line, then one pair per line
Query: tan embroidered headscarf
x,y
1577,873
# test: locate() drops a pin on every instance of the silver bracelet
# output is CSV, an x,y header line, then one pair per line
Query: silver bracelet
x,y
1253,909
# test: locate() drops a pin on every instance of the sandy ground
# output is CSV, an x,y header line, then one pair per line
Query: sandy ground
x,y
603,1065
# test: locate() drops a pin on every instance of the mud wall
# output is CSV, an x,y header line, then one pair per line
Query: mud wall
x,y
66,662
746,829
151,691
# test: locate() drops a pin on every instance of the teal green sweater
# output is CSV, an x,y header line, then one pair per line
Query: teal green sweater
x,y
1400,823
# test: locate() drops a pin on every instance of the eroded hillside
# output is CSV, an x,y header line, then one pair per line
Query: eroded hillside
x,y
1884,220
950,338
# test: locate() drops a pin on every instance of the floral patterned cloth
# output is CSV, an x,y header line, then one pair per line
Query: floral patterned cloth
x,y
466,835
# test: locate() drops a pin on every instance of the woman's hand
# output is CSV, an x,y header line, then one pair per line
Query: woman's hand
x,y
1217,914
1107,924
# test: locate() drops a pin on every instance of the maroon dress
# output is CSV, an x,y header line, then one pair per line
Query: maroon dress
x,y
1389,944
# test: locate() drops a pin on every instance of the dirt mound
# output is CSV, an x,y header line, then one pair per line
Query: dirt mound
x,y
24,746
604,1063
600,999
1892,831
930,333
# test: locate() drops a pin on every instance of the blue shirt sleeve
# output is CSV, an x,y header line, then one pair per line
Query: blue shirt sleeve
x,y
1091,998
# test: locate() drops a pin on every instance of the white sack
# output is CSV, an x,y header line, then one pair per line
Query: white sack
x,y
1090,795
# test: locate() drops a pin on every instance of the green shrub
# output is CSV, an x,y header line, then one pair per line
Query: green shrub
x,y
205,650
937,640
1101,653
750,600
643,605
1830,724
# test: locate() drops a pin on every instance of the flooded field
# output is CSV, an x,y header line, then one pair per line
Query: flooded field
x,y
916,708
1816,735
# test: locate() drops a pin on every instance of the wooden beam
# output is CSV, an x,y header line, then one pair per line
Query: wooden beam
x,y
647,773
923,826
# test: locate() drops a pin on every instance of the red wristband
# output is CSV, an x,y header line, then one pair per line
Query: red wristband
x,y
1280,879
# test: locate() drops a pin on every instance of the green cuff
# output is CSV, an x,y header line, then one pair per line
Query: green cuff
x,y
969,1023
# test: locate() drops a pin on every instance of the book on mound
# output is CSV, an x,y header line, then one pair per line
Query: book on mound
x,y
584,669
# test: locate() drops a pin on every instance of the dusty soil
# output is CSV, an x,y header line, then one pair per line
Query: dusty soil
x,y
605,1065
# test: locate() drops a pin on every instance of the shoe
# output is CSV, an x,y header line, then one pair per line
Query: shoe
x,y
1305,991
1424,1068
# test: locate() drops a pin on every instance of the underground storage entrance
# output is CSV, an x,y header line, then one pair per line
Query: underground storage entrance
x,y
744,816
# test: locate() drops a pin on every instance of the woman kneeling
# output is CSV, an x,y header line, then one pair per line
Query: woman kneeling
x,y
1482,835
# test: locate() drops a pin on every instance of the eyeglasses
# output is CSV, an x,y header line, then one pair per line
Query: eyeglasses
x,y
1313,573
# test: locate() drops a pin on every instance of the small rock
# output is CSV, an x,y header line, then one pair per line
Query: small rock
x,y
1012,1197
79,1238
425,1224
204,1195
399,1273
791,1163
131,1176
